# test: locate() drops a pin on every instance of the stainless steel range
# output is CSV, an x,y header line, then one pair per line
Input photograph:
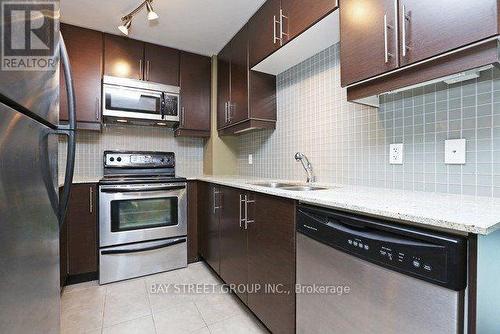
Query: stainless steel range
x,y
142,215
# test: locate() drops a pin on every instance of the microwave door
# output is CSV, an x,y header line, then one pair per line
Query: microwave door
x,y
132,103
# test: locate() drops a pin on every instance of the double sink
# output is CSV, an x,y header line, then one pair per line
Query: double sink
x,y
288,186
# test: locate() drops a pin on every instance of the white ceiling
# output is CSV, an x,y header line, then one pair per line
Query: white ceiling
x,y
200,26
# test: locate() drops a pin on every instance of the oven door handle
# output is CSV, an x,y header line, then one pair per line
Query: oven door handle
x,y
137,250
140,189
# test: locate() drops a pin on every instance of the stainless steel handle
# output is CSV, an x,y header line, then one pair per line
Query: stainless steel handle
x,y
148,69
275,38
97,109
225,112
91,200
282,33
387,55
242,220
215,200
67,131
404,18
183,118
229,106
141,76
248,221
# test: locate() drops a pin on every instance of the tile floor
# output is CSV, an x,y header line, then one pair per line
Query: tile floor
x,y
133,306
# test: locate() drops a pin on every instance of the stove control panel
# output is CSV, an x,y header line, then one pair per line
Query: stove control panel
x,y
116,159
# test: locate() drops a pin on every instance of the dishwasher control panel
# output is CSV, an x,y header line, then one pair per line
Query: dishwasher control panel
x,y
432,256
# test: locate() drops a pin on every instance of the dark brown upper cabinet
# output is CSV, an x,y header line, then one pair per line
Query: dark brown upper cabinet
x,y
428,28
129,58
223,85
368,38
195,82
299,15
85,54
380,38
123,57
264,31
161,64
243,96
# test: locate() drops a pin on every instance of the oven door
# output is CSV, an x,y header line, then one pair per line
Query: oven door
x,y
136,103
144,212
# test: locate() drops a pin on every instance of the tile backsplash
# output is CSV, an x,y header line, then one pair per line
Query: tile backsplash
x,y
91,146
349,143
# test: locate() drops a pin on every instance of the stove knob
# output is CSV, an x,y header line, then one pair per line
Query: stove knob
x,y
111,159
119,159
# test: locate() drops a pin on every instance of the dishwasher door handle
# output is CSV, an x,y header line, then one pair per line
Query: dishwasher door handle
x,y
378,235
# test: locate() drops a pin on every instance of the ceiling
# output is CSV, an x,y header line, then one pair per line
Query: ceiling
x,y
200,26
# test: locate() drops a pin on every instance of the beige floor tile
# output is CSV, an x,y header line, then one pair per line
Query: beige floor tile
x,y
83,298
203,330
80,286
183,318
125,306
239,324
137,326
81,320
199,273
133,286
217,307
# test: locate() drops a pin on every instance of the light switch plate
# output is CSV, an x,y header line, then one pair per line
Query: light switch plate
x,y
250,159
454,151
396,154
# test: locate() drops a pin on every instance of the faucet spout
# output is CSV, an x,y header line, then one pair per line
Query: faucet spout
x,y
307,166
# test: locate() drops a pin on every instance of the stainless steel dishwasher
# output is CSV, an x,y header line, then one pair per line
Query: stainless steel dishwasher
x,y
376,276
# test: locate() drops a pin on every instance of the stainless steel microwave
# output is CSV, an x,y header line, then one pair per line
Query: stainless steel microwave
x,y
139,102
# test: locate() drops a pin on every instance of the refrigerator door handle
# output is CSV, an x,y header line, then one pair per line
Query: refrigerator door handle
x,y
67,130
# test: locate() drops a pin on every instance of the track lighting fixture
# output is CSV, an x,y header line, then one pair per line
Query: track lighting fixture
x,y
127,19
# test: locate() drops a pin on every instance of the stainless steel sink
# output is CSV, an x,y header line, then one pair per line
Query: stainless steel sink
x,y
274,184
288,186
304,188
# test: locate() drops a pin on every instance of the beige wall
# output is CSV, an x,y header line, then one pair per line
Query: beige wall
x,y
220,154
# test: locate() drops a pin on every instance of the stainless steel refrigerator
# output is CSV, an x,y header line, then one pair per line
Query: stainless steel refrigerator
x,y
30,207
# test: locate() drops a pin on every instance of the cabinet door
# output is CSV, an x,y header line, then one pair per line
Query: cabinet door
x,y
223,84
435,27
208,224
233,240
123,57
302,14
363,36
195,92
85,55
262,32
238,110
271,260
161,64
82,230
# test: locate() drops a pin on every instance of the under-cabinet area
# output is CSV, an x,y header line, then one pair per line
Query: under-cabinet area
x,y
250,166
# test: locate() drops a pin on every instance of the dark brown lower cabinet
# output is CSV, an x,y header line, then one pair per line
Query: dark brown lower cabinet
x,y
271,261
254,246
233,241
192,217
63,254
81,229
208,224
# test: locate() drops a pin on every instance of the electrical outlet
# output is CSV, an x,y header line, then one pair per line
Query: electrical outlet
x,y
454,151
250,159
396,154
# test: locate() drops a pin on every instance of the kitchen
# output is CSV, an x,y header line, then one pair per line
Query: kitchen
x,y
257,166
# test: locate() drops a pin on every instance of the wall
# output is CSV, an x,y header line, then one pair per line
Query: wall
x,y
349,143
91,146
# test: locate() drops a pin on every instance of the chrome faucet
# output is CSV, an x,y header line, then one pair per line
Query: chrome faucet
x,y
307,166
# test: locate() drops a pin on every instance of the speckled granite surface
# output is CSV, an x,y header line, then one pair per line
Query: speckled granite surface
x,y
479,215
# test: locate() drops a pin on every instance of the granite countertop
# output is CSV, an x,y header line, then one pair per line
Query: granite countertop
x,y
478,215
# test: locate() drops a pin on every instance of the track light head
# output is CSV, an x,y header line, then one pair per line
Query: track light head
x,y
125,26
151,13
